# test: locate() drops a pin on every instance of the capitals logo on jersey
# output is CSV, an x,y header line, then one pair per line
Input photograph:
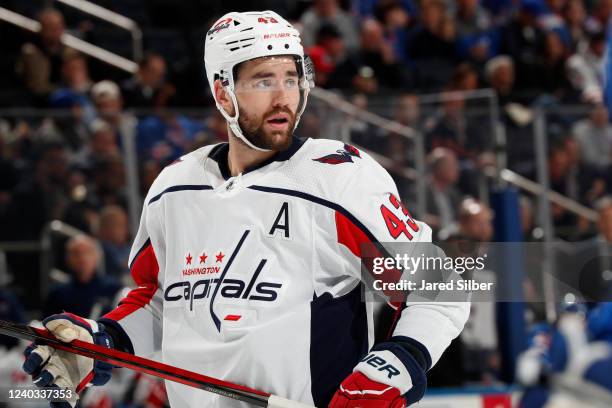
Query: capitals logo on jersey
x,y
341,156
230,288
220,285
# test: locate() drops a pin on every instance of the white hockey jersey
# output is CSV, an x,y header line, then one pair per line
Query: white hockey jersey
x,y
255,279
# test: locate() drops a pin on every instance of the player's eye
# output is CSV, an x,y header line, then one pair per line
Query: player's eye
x,y
264,84
291,83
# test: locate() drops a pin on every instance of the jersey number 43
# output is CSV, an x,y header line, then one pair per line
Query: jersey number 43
x,y
398,219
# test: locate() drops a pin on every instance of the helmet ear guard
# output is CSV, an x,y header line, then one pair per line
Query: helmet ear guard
x,y
308,73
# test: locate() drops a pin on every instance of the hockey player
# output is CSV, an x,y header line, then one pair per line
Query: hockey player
x,y
569,364
247,260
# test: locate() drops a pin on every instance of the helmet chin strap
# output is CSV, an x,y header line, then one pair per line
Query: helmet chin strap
x,y
234,125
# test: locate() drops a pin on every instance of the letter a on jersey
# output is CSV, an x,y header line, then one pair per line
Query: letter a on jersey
x,y
282,221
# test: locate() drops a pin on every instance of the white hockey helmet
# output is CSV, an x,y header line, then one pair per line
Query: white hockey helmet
x,y
239,37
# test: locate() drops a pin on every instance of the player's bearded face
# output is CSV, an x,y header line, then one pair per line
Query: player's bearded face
x,y
268,96
257,129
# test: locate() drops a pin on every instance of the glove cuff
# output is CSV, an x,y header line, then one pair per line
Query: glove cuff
x,y
412,380
102,338
102,370
385,368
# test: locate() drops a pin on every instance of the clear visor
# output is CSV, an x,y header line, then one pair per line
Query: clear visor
x,y
273,74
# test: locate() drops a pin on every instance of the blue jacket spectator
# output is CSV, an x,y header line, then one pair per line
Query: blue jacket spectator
x,y
86,293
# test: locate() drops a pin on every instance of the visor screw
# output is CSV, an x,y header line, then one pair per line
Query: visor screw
x,y
269,47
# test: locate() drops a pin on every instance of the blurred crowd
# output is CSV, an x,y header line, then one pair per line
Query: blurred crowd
x,y
552,47
65,159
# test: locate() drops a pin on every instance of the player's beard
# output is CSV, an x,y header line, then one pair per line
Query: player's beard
x,y
253,130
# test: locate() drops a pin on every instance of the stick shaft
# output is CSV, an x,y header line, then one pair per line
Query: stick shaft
x,y
136,363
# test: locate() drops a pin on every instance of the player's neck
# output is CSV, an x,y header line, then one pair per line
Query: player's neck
x,y
241,157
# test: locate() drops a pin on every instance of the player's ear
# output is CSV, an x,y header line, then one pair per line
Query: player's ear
x,y
223,98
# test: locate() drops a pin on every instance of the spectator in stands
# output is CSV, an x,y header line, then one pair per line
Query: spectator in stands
x,y
574,14
326,53
40,198
217,126
471,17
448,30
75,75
86,293
81,212
551,18
500,74
398,147
148,88
431,45
594,277
105,186
477,38
408,110
75,84
449,128
149,170
426,40
114,234
102,142
599,17
73,95
396,20
372,67
575,176
554,76
166,136
443,197
524,41
565,178
585,69
559,164
465,78
475,221
584,184
329,12
473,355
108,182
108,101
40,62
369,8
594,135
408,113
358,130
107,98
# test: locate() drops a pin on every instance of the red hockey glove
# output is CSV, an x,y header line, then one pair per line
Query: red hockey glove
x,y
357,390
388,377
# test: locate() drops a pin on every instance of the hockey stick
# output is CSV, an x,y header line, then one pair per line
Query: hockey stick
x,y
154,368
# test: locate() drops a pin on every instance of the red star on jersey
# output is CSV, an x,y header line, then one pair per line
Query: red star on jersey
x,y
203,258
188,258
219,257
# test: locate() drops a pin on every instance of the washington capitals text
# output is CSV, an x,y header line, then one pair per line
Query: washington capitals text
x,y
230,288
